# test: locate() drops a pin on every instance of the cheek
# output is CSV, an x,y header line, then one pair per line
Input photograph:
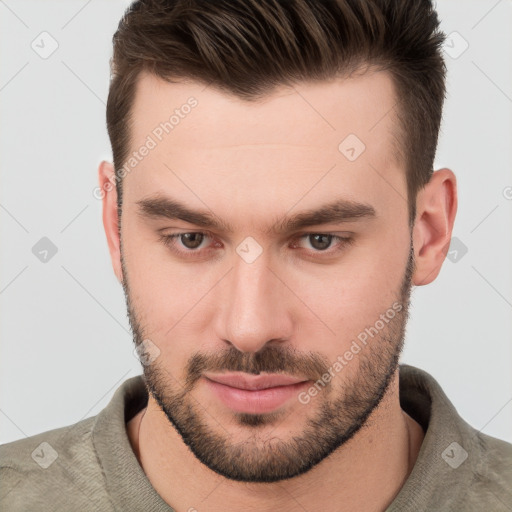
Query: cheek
x,y
159,294
348,297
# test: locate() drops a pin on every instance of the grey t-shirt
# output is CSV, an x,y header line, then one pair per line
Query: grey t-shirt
x,y
90,466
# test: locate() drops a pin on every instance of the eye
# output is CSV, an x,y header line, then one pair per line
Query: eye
x,y
322,242
191,242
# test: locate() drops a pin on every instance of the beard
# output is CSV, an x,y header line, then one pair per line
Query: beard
x,y
341,413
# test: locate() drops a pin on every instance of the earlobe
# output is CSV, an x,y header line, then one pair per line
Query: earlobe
x,y
107,184
436,207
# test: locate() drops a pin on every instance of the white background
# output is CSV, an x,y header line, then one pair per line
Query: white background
x,y
65,339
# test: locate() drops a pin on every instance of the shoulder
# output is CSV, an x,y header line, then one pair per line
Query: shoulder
x,y
55,470
458,467
492,472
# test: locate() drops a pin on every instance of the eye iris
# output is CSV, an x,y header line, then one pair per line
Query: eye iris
x,y
320,241
192,240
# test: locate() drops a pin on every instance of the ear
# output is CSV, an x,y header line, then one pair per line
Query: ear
x,y
436,206
107,183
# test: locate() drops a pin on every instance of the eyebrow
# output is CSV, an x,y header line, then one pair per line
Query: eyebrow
x,y
335,212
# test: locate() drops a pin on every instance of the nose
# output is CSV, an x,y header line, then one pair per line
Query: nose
x,y
254,306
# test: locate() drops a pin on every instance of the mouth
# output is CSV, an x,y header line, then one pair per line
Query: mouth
x,y
254,394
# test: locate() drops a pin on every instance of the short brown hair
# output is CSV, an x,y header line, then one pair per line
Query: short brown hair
x,y
248,47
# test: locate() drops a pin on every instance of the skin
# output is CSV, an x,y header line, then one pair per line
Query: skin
x,y
251,164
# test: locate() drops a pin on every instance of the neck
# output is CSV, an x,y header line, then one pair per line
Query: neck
x,y
365,474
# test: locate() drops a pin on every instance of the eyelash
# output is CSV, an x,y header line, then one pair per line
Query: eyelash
x,y
169,239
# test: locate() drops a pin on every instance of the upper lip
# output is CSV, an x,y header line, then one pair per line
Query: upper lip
x,y
253,382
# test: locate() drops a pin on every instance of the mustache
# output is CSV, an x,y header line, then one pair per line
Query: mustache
x,y
270,359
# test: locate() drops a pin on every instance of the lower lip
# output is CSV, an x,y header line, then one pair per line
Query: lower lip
x,y
255,401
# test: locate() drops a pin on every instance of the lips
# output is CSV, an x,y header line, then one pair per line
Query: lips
x,y
254,394
253,382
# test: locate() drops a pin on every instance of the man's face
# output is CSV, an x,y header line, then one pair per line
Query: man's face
x,y
253,293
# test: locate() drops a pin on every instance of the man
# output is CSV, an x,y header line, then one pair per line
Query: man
x,y
270,205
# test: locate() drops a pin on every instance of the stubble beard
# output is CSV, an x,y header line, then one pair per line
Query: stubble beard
x,y
262,457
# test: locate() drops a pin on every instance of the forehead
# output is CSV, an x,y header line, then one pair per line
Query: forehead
x,y
281,144
286,115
